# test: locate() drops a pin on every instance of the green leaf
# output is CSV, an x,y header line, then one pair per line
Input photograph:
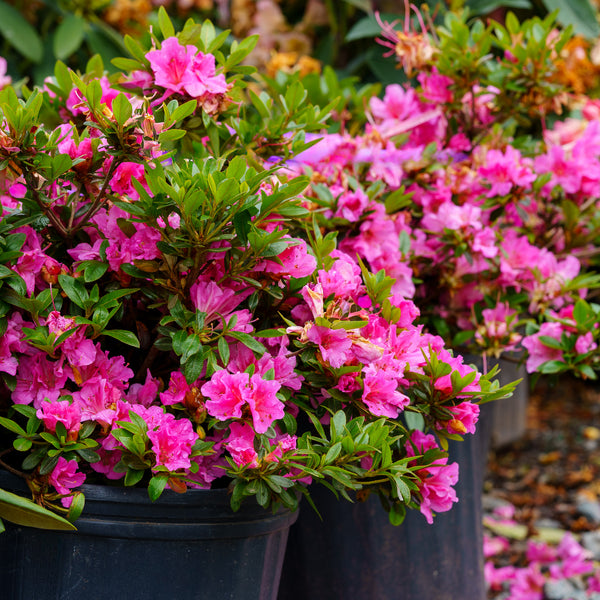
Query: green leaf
x,y
184,110
581,310
121,108
402,489
338,424
193,367
88,455
166,27
483,7
23,511
68,36
397,513
414,420
223,347
550,342
20,34
133,476
74,289
156,486
12,426
126,64
578,13
553,366
368,27
127,337
92,270
248,341
22,444
77,506
333,453
587,372
171,135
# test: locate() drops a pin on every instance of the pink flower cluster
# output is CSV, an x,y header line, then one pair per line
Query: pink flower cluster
x,y
185,71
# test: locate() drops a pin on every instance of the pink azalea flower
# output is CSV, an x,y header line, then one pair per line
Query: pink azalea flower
x,y
240,445
343,279
61,411
144,393
295,261
182,69
4,78
505,169
437,481
112,369
38,379
264,404
213,299
110,454
351,205
334,344
12,342
178,388
528,584
496,577
466,415
539,353
65,477
174,220
98,400
122,180
78,350
380,393
229,393
585,343
574,559
436,86
172,440
494,545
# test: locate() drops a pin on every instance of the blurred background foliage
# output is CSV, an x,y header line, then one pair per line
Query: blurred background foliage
x,y
301,36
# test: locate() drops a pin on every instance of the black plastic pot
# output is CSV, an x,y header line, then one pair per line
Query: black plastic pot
x,y
189,546
510,414
355,553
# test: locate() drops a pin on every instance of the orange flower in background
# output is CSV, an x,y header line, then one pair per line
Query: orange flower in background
x,y
128,15
289,62
579,65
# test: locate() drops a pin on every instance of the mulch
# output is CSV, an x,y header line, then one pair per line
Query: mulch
x,y
549,472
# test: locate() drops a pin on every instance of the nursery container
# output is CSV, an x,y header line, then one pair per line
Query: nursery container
x,y
509,416
185,546
355,553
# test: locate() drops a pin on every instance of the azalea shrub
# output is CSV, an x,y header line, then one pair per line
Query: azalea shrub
x,y
475,186
175,315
